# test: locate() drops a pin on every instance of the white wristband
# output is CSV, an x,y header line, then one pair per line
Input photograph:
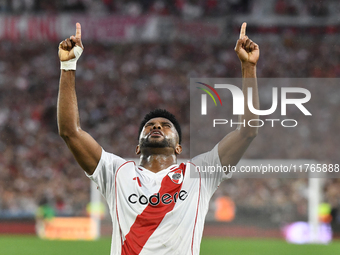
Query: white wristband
x,y
72,63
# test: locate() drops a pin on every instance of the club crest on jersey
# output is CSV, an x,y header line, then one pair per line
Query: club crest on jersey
x,y
176,176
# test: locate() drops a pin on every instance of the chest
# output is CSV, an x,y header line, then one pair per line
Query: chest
x,y
135,190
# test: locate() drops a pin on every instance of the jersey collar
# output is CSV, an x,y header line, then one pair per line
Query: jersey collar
x,y
162,172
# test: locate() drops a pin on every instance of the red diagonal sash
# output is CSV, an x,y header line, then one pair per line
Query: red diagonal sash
x,y
147,222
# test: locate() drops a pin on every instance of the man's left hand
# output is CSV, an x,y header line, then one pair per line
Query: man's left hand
x,y
246,50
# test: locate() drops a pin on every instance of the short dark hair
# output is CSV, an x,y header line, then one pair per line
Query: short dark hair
x,y
161,113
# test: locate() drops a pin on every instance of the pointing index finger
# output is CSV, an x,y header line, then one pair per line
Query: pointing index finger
x,y
243,30
78,30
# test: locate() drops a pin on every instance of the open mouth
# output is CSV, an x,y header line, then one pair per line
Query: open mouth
x,y
156,133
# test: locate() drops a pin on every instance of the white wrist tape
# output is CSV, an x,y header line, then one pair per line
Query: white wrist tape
x,y
72,63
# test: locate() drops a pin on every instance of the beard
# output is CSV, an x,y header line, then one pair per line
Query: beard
x,y
146,143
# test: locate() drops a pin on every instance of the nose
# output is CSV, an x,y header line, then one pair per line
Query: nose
x,y
157,126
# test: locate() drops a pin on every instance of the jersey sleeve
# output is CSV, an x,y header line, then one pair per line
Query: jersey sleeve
x,y
104,174
211,170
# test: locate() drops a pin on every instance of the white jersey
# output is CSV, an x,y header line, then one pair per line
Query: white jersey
x,y
157,213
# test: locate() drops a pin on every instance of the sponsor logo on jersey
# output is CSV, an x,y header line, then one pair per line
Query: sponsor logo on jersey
x,y
157,198
176,176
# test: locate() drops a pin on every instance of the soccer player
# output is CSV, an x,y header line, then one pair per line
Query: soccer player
x,y
157,207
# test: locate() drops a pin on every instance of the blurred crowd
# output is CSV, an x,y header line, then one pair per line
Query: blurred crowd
x,y
184,8
118,84
314,8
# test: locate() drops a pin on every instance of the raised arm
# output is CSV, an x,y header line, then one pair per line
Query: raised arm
x,y
233,145
85,149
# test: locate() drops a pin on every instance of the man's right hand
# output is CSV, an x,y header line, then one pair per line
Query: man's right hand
x,y
66,51
85,149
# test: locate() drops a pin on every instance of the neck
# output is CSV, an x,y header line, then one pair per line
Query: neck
x,y
157,162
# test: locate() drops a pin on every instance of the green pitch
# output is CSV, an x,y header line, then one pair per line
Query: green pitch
x,y
30,245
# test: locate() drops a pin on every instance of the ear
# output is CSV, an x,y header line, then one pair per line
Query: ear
x,y
178,149
137,150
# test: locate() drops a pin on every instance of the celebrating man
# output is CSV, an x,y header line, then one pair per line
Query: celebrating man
x,y
156,206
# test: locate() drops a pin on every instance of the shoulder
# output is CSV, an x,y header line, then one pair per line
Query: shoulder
x,y
110,157
109,162
208,158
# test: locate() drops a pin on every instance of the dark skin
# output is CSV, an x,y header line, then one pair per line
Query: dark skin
x,y
87,151
157,158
